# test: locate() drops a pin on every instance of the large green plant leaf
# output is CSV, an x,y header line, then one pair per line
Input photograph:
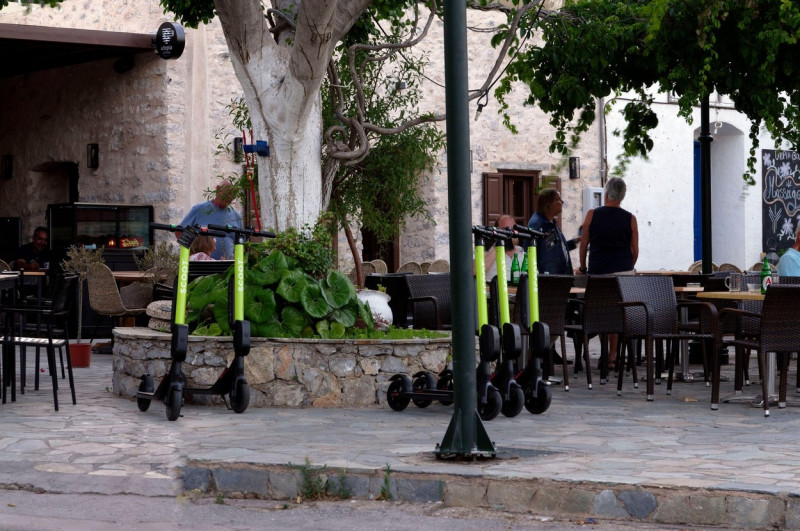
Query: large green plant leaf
x,y
337,289
221,311
346,315
259,278
290,324
273,267
291,285
366,315
313,302
323,329
259,304
337,331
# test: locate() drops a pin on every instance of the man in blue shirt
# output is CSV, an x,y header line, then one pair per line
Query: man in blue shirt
x,y
217,212
789,264
552,252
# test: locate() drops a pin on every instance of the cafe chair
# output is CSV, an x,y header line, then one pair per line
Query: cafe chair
x,y
439,266
380,266
4,266
424,266
697,267
778,332
410,267
106,299
729,267
600,315
758,265
429,298
54,317
651,314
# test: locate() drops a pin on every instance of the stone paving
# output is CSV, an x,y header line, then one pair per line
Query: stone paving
x,y
592,453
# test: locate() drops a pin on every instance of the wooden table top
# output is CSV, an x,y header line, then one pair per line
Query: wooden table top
x,y
732,295
130,276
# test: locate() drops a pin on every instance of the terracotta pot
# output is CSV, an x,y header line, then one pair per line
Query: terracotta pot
x,y
81,354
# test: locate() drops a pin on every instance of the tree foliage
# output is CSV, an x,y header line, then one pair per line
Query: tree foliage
x,y
746,49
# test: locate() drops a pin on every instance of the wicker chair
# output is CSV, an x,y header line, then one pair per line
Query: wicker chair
x,y
553,298
779,332
439,266
651,314
423,267
697,267
410,267
600,315
106,299
729,267
429,296
380,266
758,265
4,266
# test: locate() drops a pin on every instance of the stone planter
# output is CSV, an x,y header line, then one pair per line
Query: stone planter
x,y
281,372
379,305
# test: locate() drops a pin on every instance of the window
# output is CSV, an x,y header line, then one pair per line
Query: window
x,y
514,193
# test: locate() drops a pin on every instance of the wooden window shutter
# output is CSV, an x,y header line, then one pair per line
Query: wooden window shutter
x,y
493,204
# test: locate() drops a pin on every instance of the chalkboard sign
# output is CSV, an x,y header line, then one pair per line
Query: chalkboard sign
x,y
780,198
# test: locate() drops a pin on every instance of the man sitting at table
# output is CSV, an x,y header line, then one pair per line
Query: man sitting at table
x,y
35,255
789,264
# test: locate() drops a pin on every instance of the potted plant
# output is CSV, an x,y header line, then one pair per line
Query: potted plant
x,y
79,260
161,260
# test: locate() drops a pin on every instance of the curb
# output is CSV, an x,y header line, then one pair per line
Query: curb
x,y
678,505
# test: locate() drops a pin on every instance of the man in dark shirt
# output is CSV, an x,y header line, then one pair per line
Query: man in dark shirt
x,y
35,255
552,252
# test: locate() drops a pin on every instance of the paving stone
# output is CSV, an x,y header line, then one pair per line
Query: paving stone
x,y
754,514
241,480
419,490
465,494
638,503
512,496
196,478
607,504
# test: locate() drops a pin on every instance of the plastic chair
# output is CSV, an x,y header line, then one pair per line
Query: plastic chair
x,y
778,332
651,314
410,267
439,266
429,297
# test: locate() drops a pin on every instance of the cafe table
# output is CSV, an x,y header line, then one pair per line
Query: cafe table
x,y
738,296
128,277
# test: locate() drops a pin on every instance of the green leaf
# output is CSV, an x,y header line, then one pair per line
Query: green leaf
x,y
366,315
323,329
313,302
337,330
337,289
273,267
291,285
347,315
259,304
221,311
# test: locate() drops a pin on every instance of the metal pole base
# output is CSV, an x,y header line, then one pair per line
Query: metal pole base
x,y
452,446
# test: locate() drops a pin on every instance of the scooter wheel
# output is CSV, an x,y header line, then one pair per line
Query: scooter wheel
x,y
516,400
494,401
539,402
146,386
396,395
423,382
240,402
174,404
445,383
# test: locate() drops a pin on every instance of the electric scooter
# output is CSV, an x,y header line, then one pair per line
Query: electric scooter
x,y
424,389
231,382
538,394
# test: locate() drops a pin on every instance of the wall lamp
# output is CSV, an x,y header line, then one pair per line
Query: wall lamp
x,y
574,167
92,156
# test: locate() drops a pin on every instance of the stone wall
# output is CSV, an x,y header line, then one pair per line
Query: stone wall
x,y
285,372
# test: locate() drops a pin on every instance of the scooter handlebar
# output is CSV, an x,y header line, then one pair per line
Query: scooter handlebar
x,y
164,226
245,231
509,234
532,233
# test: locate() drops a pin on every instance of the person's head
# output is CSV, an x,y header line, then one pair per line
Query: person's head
x,y
40,238
549,203
203,243
615,189
225,194
505,222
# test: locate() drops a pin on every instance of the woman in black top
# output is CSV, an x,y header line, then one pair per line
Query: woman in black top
x,y
613,236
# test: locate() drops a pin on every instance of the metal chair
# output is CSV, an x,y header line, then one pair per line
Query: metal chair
x,y
429,296
54,317
439,266
106,299
651,314
410,267
778,332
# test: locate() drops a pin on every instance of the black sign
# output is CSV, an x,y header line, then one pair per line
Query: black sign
x,y
780,198
169,41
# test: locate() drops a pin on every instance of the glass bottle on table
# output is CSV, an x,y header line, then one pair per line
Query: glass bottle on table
x,y
514,270
524,264
766,276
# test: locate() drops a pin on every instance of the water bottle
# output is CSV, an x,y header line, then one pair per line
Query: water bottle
x,y
766,276
515,270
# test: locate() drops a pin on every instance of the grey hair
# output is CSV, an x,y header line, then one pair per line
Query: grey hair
x,y
615,189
